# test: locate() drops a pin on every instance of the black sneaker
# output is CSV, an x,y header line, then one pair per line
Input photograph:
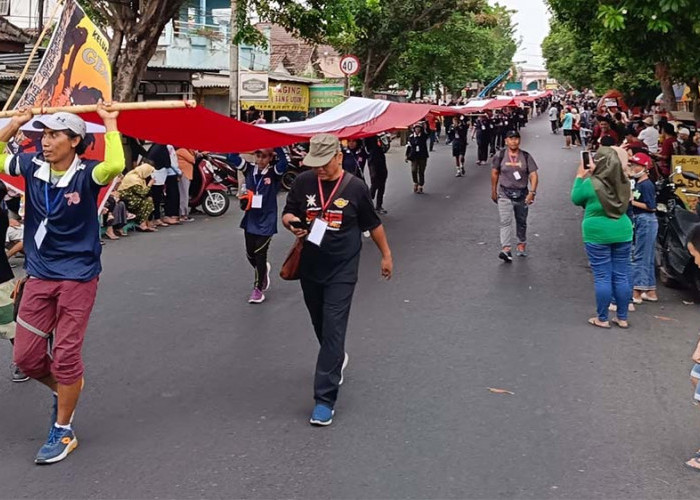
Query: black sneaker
x,y
506,257
17,374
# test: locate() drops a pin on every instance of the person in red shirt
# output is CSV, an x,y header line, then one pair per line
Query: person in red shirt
x,y
669,147
601,130
632,142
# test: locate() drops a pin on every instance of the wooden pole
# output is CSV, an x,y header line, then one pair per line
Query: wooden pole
x,y
117,106
32,54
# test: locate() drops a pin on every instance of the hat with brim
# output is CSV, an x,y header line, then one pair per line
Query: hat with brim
x,y
322,149
649,121
62,121
513,134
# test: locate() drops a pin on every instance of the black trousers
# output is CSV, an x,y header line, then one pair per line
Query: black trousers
x,y
157,196
172,197
492,143
256,248
483,144
329,308
378,178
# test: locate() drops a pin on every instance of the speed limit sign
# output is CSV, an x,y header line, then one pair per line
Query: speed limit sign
x,y
350,65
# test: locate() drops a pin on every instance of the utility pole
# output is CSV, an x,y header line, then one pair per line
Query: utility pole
x,y
234,106
41,15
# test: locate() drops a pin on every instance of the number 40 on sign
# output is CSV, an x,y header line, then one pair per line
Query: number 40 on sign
x,y
350,65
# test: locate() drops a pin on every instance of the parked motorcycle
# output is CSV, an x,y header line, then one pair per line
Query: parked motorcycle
x,y
207,188
295,166
676,267
228,173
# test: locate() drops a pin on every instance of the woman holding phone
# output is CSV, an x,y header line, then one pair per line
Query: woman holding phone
x,y
602,188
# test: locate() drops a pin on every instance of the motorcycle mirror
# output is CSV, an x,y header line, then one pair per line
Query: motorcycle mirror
x,y
690,176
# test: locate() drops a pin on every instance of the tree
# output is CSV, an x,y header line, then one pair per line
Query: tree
x,y
656,36
136,25
468,46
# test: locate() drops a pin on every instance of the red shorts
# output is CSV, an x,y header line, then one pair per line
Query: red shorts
x,y
61,308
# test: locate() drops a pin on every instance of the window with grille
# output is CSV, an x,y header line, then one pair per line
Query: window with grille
x,y
4,7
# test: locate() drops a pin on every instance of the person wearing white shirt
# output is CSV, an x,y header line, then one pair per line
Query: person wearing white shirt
x,y
650,135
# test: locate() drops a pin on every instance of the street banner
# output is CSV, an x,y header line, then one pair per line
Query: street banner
x,y
686,187
282,97
75,70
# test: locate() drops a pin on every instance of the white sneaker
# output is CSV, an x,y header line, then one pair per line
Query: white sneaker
x,y
342,370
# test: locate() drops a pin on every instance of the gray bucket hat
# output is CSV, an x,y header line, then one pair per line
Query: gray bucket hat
x,y
322,149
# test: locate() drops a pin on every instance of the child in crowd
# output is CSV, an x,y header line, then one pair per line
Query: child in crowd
x,y
262,180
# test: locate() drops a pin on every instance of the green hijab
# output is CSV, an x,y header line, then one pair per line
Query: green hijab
x,y
610,183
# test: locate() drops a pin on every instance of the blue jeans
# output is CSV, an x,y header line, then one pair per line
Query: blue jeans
x,y
646,226
610,265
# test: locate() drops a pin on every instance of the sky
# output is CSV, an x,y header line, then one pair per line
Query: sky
x,y
532,24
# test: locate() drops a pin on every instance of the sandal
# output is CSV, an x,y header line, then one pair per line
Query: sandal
x,y
649,299
621,323
142,230
597,323
695,460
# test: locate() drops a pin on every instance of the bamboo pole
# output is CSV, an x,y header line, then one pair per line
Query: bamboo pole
x,y
117,106
32,54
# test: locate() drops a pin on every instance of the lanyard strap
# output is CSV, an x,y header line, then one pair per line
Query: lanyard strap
x,y
46,199
262,176
324,203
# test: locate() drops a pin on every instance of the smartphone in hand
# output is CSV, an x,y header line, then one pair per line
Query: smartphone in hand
x,y
586,158
299,224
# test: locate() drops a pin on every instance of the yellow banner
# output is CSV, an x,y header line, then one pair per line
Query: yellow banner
x,y
75,68
687,164
282,97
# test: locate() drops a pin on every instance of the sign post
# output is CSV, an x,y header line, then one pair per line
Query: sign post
x,y
349,65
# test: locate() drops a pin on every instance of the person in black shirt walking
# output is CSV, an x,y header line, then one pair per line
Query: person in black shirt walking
x,y
459,146
417,154
378,172
482,130
336,208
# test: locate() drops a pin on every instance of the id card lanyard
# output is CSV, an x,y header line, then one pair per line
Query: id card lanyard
x,y
257,197
320,225
42,229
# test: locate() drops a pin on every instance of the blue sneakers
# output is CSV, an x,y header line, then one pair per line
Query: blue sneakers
x,y
321,416
57,447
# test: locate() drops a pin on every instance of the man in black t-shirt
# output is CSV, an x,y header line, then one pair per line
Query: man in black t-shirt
x,y
330,210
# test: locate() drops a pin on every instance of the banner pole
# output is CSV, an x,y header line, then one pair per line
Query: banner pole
x,y
117,106
32,54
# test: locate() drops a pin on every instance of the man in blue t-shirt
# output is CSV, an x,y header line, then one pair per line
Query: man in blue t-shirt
x,y
62,246
259,223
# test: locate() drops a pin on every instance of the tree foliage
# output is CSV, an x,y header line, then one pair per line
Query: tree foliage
x,y
635,41
468,46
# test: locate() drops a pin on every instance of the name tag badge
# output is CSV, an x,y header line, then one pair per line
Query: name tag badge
x,y
483,127
318,231
517,175
40,234
417,149
257,201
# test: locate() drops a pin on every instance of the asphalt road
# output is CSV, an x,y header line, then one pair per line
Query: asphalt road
x,y
193,393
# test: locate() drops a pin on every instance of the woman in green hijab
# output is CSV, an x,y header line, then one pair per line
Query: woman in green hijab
x,y
604,191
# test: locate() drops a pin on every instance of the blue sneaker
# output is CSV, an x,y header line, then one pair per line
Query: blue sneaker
x,y
57,447
322,415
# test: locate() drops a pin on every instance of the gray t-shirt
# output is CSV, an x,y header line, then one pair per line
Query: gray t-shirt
x,y
513,171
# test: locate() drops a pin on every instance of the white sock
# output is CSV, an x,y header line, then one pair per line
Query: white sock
x,y
59,426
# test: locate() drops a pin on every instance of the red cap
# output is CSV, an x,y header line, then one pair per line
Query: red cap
x,y
641,159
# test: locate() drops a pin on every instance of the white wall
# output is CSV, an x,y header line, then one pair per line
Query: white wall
x,y
25,13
